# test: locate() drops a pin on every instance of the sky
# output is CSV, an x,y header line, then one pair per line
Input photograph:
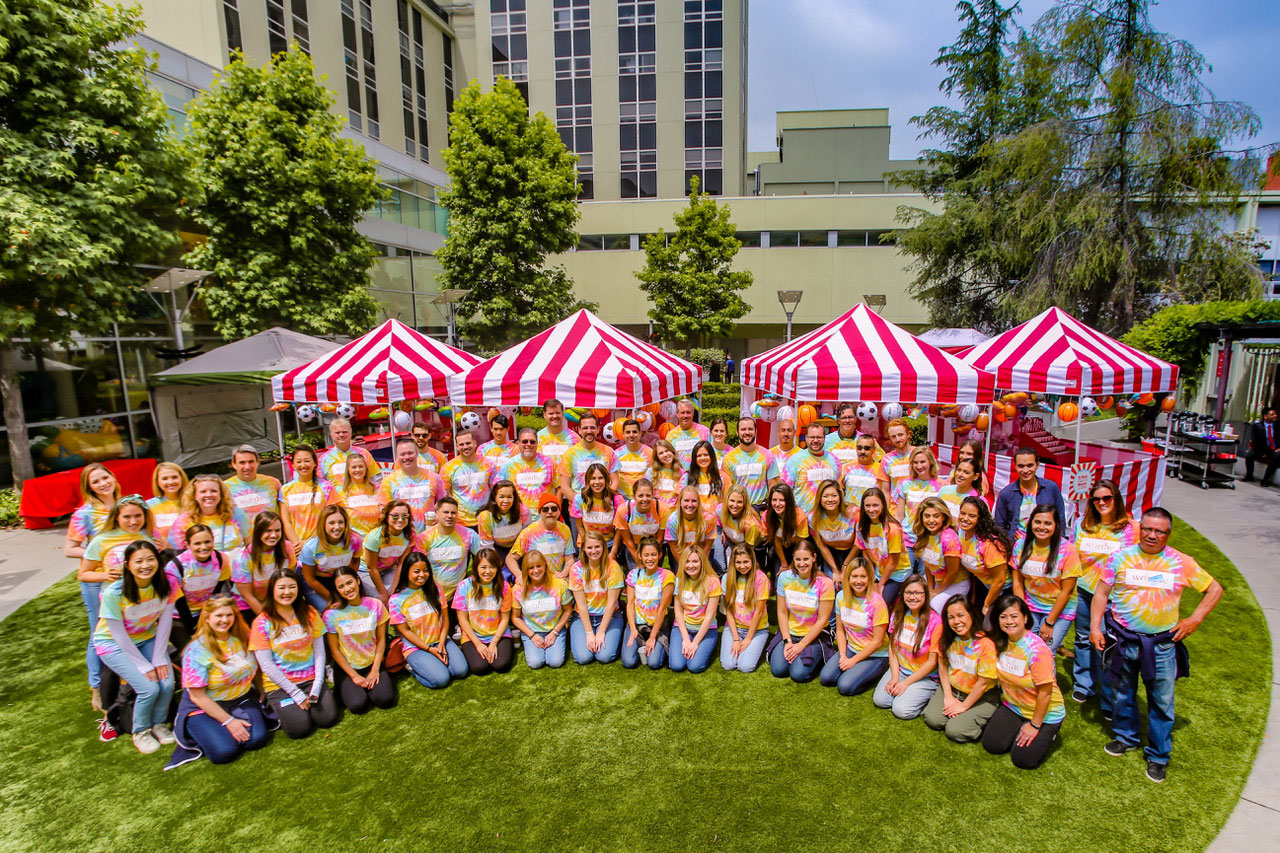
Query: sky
x,y
832,54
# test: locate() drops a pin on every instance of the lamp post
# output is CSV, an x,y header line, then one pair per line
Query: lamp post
x,y
450,298
169,282
790,300
875,301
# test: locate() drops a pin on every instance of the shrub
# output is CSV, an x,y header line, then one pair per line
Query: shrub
x,y
707,356
9,508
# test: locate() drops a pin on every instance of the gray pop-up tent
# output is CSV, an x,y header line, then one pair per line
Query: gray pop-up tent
x,y
208,405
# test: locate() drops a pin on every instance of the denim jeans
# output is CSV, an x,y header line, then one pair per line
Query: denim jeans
x,y
748,659
631,652
855,679
891,592
799,671
430,670
91,594
218,744
366,581
608,651
702,655
1088,676
317,598
552,655
1159,703
152,705
908,704
1060,629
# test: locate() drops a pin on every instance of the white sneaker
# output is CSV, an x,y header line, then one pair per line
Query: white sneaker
x,y
163,733
145,742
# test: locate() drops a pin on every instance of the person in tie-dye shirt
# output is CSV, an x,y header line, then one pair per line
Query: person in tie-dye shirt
x,y
202,568
631,461
482,603
750,465
555,438
532,472
541,607
879,541
168,482
968,691
697,597
467,478
909,682
419,488
689,526
746,597
449,546
253,565
206,500
302,499
985,551
805,600
637,518
704,475
500,448
502,519
1045,570
99,492
596,582
667,475
786,446
807,470
862,619
1030,717
966,480
421,619
287,640
333,547
863,471
686,433
577,459
785,526
908,494
1142,586
938,548
250,491
384,549
549,535
896,462
357,639
595,506
739,523
843,442
358,495
834,525
333,462
649,591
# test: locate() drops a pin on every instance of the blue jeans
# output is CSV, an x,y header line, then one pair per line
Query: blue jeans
x,y
631,652
857,678
1087,672
891,592
1159,703
91,595
552,655
908,704
317,598
218,744
608,652
430,670
798,670
1060,629
152,705
749,658
702,655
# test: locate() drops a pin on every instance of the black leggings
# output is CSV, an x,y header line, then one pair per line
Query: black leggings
x,y
296,722
1001,735
358,699
505,659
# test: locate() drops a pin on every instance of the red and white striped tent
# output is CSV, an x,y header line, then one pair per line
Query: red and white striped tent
x,y
389,364
862,356
1055,353
581,361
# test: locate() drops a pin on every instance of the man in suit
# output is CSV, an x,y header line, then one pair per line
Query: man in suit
x,y
1264,441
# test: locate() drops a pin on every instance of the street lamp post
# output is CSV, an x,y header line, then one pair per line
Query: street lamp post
x,y
790,300
450,298
170,281
875,301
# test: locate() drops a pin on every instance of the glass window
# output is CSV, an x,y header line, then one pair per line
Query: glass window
x,y
813,238
617,242
693,134
749,239
784,238
590,242
878,238
648,184
629,187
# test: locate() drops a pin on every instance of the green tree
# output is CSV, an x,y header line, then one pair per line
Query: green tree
x,y
282,196
90,179
690,278
512,201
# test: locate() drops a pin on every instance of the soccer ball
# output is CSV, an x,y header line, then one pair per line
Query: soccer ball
x,y
867,411
968,413
609,434
345,410
469,421
890,411
785,413
306,414
1088,406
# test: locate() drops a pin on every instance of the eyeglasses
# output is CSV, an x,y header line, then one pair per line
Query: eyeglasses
x,y
1103,499
528,441
1153,531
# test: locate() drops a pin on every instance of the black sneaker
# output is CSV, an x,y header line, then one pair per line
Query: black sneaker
x,y
1156,772
1118,748
1080,698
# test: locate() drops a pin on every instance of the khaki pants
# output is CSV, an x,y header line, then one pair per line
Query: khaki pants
x,y
966,727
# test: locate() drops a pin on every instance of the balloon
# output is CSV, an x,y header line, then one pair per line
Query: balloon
x,y
379,414
602,413
1106,402
306,414
280,407
1000,416
445,411
756,410
982,422
646,420
891,411
1088,406
667,410
402,421
1147,400
328,408
609,433
1067,412
469,421
1010,410
617,427
962,429
968,413
1122,408
664,428
867,411
424,405
784,413
768,413
493,413
807,415
652,408
573,415
1167,404
346,410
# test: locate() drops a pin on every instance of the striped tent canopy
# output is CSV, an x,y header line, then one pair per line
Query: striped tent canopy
x,y
1055,353
392,363
581,361
862,356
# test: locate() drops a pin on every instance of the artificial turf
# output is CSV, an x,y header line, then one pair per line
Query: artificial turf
x,y
600,758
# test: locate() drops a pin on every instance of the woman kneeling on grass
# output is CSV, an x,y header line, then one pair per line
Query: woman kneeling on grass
x,y
746,626
596,582
287,638
219,715
1028,720
421,621
911,678
969,694
540,609
862,618
357,638
697,598
650,589
805,599
483,604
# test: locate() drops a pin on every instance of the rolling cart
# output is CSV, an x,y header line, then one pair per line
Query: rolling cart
x,y
1206,458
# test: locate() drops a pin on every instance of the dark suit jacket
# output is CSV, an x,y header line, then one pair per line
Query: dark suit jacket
x,y
1258,438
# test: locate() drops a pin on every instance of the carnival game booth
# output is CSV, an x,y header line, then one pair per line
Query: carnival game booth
x,y
1054,370
388,378
860,358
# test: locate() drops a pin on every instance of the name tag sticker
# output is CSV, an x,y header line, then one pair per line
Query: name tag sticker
x,y
854,617
691,599
419,610
1016,667
802,600
539,605
633,466
1150,579
199,583
357,626
1035,568
529,479
1096,545
963,663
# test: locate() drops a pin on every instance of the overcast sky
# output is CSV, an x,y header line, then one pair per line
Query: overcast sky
x,y
830,54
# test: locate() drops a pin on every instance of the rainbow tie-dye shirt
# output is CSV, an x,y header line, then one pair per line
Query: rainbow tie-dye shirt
x,y
540,606
597,589
410,607
531,476
697,605
222,680
469,483
554,544
904,642
290,647
804,599
199,579
1043,582
971,659
140,619
859,618
356,627
684,440
254,496
255,576
577,459
752,470
420,491
743,615
1146,589
1024,665
1096,547
328,557
804,472
630,466
645,589
448,553
483,610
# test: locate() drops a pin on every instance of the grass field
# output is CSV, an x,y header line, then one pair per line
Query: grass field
x,y
599,758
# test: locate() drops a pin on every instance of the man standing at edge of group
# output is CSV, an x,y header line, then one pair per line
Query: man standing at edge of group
x,y
467,478
786,446
413,485
1016,500
251,491
333,462
533,473
429,459
750,465
806,470
687,433
1142,589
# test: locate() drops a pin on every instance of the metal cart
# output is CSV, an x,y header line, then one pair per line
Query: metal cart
x,y
1206,459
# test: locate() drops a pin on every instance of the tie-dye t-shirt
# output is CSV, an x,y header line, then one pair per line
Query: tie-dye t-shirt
x,y
410,607
227,535
388,550
1026,506
743,614
364,509
256,576
554,544
672,532
88,520
908,495
469,483
333,464
327,556
597,517
881,543
628,517
1146,589
630,466
539,606
1043,582
502,533
253,496
498,453
303,502
164,512
290,647
744,528
1024,665
108,548
859,618
837,530
937,549
781,456
483,607
554,445
222,680
896,466
684,440
577,459
697,605
1096,547
804,599
804,472
430,459
904,644
199,579
971,659
706,496
952,497
597,589
448,552
666,487
140,619
752,470
419,490
645,589
532,477
856,478
356,627
846,449
980,557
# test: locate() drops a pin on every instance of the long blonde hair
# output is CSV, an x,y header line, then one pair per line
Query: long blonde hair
x,y
675,457
168,466
749,514
87,494
587,568
348,481
205,635
732,578
858,562
187,503
532,558
922,533
705,571
911,462
699,522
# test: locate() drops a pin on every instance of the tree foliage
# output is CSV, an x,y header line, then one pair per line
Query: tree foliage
x,y
690,278
512,201
90,179
282,196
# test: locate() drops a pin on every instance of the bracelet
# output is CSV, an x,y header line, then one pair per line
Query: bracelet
x,y
227,720
1033,725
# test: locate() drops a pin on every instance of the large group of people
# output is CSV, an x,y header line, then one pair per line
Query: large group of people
x,y
844,559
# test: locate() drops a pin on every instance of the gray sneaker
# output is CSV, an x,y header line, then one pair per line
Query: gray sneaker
x,y
163,733
145,742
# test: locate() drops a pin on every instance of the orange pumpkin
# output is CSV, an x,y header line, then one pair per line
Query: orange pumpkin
x,y
1147,400
602,413
1167,404
806,415
1000,416
1106,402
982,423
1067,412
664,428
1010,410
962,429
652,408
617,427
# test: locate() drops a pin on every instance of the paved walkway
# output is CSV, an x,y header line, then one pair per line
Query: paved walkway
x,y
31,561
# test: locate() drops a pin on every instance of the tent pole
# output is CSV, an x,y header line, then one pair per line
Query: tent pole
x,y
280,440
1079,423
991,425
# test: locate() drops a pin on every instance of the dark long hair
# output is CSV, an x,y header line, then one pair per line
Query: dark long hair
x,y
1003,603
385,523
513,514
1093,518
261,522
336,601
713,472
864,521
986,529
490,556
429,589
787,524
900,611
159,581
1029,541
588,496
975,617
301,607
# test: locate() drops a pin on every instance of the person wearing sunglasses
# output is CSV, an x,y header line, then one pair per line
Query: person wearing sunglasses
x,y
1142,589
531,471
547,534
429,459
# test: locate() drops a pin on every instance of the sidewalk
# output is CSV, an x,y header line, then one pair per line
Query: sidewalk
x,y
31,561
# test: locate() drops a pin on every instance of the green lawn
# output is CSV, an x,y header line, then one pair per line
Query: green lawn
x,y
591,758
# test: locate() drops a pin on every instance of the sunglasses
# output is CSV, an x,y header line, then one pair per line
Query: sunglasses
x,y
549,510
1103,499
528,441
